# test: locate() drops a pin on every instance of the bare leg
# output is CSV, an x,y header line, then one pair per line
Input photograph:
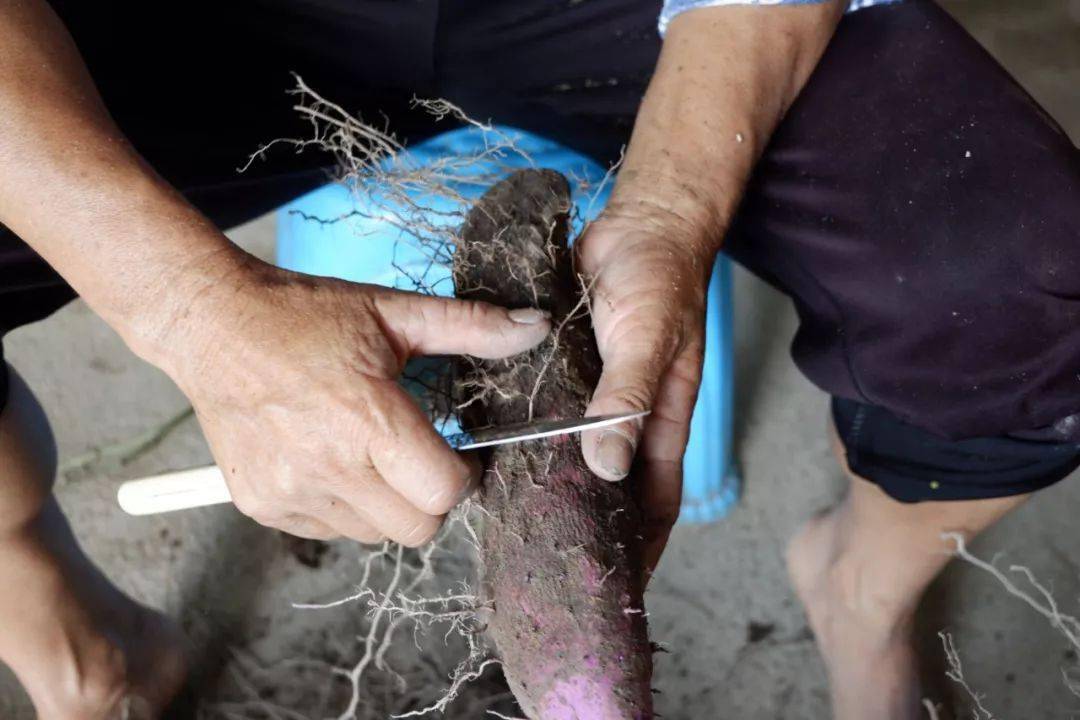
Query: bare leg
x,y
82,649
860,570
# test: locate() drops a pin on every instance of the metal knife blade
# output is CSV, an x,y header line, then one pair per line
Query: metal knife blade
x,y
520,432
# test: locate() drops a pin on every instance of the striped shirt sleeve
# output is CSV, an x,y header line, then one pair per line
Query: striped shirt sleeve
x,y
673,8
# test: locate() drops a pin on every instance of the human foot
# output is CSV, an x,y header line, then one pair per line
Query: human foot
x,y
862,631
82,649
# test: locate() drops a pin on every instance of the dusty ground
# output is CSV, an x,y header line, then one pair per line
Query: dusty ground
x,y
721,601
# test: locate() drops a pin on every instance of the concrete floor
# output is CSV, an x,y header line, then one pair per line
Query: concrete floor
x,y
721,601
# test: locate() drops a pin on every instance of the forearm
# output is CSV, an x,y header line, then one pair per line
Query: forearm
x,y
76,191
725,78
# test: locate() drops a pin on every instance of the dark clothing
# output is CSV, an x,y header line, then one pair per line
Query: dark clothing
x,y
911,464
198,86
917,205
924,214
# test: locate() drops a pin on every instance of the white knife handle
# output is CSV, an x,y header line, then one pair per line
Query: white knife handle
x,y
174,491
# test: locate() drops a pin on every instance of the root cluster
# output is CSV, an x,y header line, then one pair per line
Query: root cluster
x,y
412,609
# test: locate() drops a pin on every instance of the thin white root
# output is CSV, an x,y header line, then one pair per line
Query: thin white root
x,y
1041,601
1039,598
956,674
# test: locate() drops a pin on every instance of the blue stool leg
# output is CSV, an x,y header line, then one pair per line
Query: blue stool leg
x,y
711,485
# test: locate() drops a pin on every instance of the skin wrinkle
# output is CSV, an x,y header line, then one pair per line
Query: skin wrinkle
x,y
353,523
303,526
671,408
661,216
400,340
204,351
392,509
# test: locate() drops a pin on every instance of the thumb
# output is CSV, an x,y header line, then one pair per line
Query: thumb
x,y
430,325
629,383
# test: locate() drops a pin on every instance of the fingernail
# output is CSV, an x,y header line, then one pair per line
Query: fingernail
x,y
528,316
419,534
472,479
615,452
467,491
437,498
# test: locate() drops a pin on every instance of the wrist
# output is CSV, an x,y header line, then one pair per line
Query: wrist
x,y
724,79
174,320
650,233
688,211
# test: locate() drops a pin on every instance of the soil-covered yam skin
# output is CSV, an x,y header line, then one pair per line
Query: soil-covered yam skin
x,y
561,546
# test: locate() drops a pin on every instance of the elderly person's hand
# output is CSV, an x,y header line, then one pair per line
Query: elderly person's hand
x,y
650,276
293,379
725,78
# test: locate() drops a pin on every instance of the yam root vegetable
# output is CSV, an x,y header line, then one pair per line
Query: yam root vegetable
x,y
560,546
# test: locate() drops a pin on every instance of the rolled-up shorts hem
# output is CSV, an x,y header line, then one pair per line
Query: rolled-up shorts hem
x,y
914,465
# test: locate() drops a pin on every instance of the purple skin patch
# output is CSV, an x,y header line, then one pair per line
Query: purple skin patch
x,y
581,698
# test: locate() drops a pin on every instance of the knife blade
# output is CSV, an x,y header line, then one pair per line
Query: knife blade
x,y
522,432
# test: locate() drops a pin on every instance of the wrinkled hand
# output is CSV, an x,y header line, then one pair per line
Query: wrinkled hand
x,y
649,293
293,379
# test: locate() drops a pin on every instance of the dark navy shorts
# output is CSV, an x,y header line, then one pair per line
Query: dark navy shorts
x,y
919,208
912,464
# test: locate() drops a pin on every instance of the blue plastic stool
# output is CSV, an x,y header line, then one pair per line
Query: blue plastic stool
x,y
365,246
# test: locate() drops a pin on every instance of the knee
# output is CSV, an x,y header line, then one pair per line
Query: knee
x,y
27,456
